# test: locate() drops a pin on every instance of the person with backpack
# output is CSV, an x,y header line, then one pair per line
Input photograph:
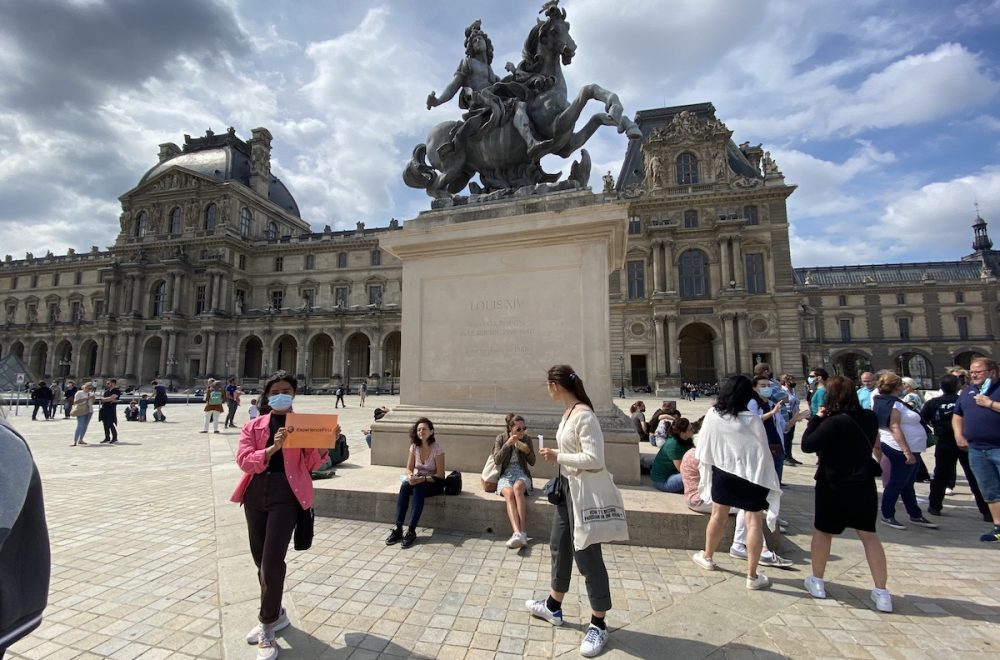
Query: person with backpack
x,y
214,396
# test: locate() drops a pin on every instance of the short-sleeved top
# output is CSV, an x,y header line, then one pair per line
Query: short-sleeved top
x,y
663,465
231,392
818,399
980,425
160,395
110,406
913,430
81,397
865,397
691,477
429,467
638,419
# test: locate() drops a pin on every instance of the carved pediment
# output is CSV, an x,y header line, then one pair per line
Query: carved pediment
x,y
173,179
688,127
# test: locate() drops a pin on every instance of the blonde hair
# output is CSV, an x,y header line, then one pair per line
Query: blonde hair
x,y
888,382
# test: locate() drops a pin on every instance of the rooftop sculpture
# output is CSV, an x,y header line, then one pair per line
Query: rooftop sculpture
x,y
510,123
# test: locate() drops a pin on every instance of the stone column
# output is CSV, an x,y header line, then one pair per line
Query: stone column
x,y
169,302
730,341
99,366
130,354
662,351
746,356
211,361
657,264
738,265
673,340
668,266
724,263
106,352
110,299
137,295
164,345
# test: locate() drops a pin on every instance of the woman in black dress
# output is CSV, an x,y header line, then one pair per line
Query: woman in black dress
x,y
845,437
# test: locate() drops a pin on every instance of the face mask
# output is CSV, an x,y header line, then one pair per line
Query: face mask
x,y
811,380
985,386
766,392
280,402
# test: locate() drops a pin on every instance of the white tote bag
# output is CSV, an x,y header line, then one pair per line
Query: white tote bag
x,y
598,509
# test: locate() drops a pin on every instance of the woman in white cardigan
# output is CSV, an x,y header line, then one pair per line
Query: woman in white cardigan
x,y
737,470
587,487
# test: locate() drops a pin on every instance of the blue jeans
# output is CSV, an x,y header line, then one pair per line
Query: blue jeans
x,y
419,492
673,484
985,464
900,484
82,422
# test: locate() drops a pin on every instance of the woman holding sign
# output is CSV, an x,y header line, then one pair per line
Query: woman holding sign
x,y
275,487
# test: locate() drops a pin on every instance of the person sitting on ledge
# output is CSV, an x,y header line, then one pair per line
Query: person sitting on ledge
x,y
513,453
665,474
424,478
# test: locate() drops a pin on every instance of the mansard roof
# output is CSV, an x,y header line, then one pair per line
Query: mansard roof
x,y
912,273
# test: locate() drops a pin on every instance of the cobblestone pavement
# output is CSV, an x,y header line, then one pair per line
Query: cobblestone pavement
x,y
150,560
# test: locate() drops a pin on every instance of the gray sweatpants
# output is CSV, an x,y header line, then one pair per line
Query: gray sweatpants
x,y
590,561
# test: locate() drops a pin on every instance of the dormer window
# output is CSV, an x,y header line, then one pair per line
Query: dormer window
x,y
687,169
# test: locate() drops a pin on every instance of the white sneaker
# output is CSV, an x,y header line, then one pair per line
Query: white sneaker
x,y
267,647
769,558
524,538
515,541
738,551
700,559
538,608
280,624
757,583
882,600
815,586
593,642
949,491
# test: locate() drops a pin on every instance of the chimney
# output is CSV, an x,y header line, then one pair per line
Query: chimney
x,y
168,150
260,161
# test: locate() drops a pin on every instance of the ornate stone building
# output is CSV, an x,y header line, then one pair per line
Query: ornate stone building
x,y
215,273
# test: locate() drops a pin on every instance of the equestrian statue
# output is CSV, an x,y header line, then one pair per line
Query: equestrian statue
x,y
511,123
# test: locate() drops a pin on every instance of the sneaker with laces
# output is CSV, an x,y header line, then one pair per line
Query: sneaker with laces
x,y
267,647
892,522
882,600
703,561
540,610
738,551
395,536
758,583
282,623
815,586
409,538
992,536
594,641
769,558
923,522
515,541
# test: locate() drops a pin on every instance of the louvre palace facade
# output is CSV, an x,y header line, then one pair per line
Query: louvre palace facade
x,y
214,273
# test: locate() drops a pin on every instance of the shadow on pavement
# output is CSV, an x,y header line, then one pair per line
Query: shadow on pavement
x,y
645,645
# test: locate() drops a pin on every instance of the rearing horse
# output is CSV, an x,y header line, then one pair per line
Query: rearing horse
x,y
498,153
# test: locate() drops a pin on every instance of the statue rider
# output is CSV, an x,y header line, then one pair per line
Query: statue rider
x,y
476,81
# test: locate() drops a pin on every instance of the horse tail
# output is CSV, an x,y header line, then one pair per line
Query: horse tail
x,y
418,174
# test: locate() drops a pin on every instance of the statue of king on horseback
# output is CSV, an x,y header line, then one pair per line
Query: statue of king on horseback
x,y
511,123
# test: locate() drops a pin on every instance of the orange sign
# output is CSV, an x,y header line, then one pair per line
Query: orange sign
x,y
310,430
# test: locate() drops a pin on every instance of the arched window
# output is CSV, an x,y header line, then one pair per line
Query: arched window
x,y
211,214
140,224
176,221
690,219
159,299
272,231
687,169
244,222
693,274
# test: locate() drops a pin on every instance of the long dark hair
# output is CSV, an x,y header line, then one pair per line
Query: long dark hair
x,y
564,375
734,396
764,405
288,378
414,438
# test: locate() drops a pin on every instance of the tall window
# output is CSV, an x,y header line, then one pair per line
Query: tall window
x,y
32,312
279,264
98,309
687,169
634,225
241,299
963,327
842,301
904,328
341,260
53,312
176,221
310,262
199,299
308,298
244,222
159,299
211,215
636,272
693,274
845,330
690,219
755,273
340,296
277,298
140,224
272,231
55,279
11,313
13,282
76,310
900,298
242,262
376,257
77,277
34,281
374,294
750,215
960,296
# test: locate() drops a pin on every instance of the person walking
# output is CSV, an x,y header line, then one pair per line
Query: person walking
x,y
214,397
844,435
424,478
817,385
793,414
584,481
274,490
83,410
364,394
976,423
159,401
69,394
41,396
340,397
108,413
512,454
232,402
54,400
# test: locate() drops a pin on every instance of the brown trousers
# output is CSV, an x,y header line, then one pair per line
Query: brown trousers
x,y
271,510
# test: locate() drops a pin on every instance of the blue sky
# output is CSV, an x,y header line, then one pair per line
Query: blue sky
x,y
884,113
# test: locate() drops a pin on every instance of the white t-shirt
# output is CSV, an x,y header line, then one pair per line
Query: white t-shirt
x,y
913,430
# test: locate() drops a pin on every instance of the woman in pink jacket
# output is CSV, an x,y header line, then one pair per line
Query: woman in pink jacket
x,y
275,487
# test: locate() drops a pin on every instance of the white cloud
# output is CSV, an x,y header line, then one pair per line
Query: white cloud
x,y
823,185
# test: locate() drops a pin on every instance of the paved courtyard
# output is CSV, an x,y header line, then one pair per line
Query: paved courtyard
x,y
150,560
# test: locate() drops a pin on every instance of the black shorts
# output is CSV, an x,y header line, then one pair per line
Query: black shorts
x,y
843,504
730,490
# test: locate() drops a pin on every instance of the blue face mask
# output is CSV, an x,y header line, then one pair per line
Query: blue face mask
x,y
766,392
811,380
280,402
985,386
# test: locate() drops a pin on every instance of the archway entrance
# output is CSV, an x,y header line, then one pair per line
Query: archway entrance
x,y
321,349
286,354
64,361
87,367
40,360
852,365
150,366
359,355
253,357
697,354
916,366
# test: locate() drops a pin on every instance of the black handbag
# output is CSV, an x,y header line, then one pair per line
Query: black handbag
x,y
453,483
304,529
554,490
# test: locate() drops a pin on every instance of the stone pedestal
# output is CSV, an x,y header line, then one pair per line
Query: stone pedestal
x,y
494,295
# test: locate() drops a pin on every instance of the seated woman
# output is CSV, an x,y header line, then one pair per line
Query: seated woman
x,y
424,478
666,472
512,454
132,412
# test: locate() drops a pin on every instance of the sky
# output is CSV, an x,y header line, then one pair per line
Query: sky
x,y
884,113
